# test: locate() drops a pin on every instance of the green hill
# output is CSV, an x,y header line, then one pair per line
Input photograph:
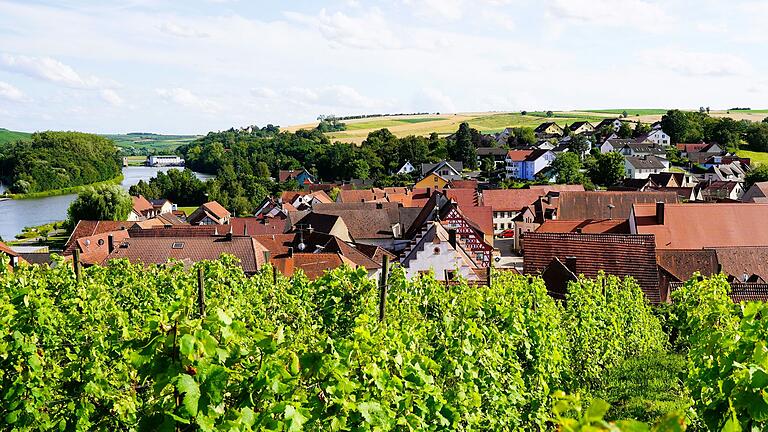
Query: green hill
x,y
7,136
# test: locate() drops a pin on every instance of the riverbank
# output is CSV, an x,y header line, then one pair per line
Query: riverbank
x,y
50,235
65,191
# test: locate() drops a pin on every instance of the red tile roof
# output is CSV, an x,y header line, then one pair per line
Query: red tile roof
x,y
86,228
463,184
178,231
619,255
94,249
216,209
481,217
698,226
511,199
683,263
518,155
558,188
149,250
464,197
691,148
141,204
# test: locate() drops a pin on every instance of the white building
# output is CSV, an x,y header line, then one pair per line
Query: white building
x,y
640,167
656,136
165,160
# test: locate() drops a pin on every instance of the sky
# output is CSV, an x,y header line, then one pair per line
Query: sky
x,y
198,65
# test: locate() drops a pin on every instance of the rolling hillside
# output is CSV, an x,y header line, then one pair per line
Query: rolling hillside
x,y
7,136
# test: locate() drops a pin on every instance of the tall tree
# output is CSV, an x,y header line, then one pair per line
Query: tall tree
x,y
102,202
567,168
462,149
579,144
606,168
625,130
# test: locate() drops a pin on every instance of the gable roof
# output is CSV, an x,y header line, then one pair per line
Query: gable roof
x,y
463,197
518,155
576,125
363,224
691,147
587,226
178,231
428,168
645,162
683,263
285,175
86,228
756,191
436,233
141,204
619,255
158,250
255,226
697,226
594,205
511,199
546,125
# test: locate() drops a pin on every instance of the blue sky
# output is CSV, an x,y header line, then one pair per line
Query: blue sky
x,y
200,65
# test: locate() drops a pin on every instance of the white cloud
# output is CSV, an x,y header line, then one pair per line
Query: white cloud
x,y
639,14
498,19
187,99
111,97
47,69
334,96
433,100
450,10
366,31
711,27
11,93
181,31
696,63
264,93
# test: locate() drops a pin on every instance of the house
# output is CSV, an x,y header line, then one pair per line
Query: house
x,y
449,170
613,123
301,176
508,203
142,209
699,226
189,250
614,144
525,164
407,168
639,167
604,205
14,257
548,130
562,257
304,200
643,149
251,226
715,191
673,179
656,136
757,193
498,155
435,249
87,228
431,181
162,206
165,160
581,127
687,148
734,171
210,213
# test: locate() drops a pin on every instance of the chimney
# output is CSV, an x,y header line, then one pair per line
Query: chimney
x,y
379,206
452,237
290,251
110,243
228,236
579,230
245,229
570,262
660,213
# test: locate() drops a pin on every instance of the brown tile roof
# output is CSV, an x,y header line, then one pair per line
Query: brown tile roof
x,y
463,184
683,263
216,209
374,252
558,188
363,224
738,261
178,231
620,255
594,205
758,190
518,155
362,195
149,250
256,226
587,226
740,292
698,226
86,228
511,199
313,265
691,148
290,196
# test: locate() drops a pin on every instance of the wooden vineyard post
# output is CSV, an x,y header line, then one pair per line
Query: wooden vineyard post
x,y
201,292
76,264
383,287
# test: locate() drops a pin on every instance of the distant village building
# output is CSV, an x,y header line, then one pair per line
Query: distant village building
x,y
407,168
640,167
301,176
525,164
581,127
210,213
165,160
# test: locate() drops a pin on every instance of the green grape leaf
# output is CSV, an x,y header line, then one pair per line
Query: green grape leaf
x,y
187,385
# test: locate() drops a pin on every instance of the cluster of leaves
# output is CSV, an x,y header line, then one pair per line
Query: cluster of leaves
x,y
693,127
57,160
330,124
182,187
570,416
101,202
727,354
128,348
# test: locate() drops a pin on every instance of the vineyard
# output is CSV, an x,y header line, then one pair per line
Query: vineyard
x,y
207,348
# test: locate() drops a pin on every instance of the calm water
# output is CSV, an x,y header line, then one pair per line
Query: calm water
x,y
17,214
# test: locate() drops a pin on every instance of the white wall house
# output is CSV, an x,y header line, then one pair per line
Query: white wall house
x,y
407,168
640,167
658,137
165,160
525,164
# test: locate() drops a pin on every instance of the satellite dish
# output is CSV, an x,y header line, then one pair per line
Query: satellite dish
x,y
302,246
87,242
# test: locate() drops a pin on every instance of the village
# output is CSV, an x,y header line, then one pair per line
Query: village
x,y
659,225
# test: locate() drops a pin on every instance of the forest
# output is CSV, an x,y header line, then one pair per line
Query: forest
x,y
57,160
124,347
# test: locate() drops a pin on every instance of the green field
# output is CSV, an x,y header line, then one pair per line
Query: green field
x,y
756,158
7,137
138,143
630,111
420,120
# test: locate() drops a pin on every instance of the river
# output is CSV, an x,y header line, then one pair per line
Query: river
x,y
17,214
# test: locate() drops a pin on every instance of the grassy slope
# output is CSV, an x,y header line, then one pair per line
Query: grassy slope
x,y
757,158
159,143
7,136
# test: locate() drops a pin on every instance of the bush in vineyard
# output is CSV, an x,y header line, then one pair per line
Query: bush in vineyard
x,y
727,355
127,348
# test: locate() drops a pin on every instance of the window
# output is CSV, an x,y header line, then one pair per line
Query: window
x,y
177,245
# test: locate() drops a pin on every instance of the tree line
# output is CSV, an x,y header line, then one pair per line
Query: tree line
x,y
56,160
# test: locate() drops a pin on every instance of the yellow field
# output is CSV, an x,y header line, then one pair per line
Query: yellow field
x,y
489,122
